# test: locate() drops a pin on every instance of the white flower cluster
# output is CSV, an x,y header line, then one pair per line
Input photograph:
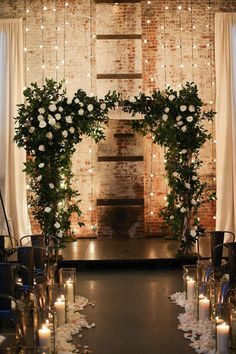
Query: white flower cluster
x,y
180,119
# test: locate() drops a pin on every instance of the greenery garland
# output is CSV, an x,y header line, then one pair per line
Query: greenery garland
x,y
48,127
176,121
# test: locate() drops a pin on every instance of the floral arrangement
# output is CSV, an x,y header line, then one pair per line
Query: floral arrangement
x,y
176,121
49,126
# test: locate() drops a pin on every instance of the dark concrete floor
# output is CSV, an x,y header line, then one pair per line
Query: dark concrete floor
x,y
132,312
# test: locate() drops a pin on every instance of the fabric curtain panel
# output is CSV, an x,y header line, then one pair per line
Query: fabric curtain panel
x,y
225,55
12,179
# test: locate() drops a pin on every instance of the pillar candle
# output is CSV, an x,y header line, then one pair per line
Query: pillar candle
x,y
60,311
45,337
70,291
204,307
222,332
190,288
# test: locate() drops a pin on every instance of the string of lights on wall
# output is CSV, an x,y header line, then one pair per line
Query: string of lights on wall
x,y
150,86
212,84
91,208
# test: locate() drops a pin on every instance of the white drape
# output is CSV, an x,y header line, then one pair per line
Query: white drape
x,y
225,55
12,179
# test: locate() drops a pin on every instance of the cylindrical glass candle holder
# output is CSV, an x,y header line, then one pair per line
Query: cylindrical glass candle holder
x,y
222,329
189,280
204,269
233,329
46,334
203,301
57,295
67,277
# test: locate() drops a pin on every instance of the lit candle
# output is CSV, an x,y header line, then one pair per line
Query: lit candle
x,y
60,311
45,337
70,291
222,332
190,288
204,307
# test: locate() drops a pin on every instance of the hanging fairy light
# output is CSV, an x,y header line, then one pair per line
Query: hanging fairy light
x,y
180,44
212,81
91,169
26,11
150,85
41,46
57,28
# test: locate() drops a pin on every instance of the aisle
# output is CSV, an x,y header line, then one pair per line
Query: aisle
x,y
132,312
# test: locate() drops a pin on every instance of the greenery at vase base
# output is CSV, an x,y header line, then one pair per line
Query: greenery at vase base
x,y
176,121
48,127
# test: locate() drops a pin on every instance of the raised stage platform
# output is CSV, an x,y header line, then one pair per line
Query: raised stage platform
x,y
110,252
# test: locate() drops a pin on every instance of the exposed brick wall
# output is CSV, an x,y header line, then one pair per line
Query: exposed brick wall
x,y
165,28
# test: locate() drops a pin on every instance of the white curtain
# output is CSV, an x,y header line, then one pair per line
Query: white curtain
x,y
225,54
12,179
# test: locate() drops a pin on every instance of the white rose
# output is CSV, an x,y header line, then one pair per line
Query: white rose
x,y
175,174
65,134
187,185
81,104
184,128
76,100
171,97
165,117
189,119
72,130
56,225
167,109
57,126
178,118
184,151
183,210
81,111
69,119
194,202
41,148
103,106
194,178
52,121
191,108
42,124
58,116
41,110
90,107
183,108
193,233
52,108
40,118
172,217
39,178
31,129
51,185
60,109
47,209
49,135
180,123
60,234
41,165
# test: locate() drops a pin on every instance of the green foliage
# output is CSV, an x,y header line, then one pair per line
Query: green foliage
x,y
48,127
176,121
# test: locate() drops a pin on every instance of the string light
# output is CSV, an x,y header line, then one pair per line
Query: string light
x,y
42,43
180,43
